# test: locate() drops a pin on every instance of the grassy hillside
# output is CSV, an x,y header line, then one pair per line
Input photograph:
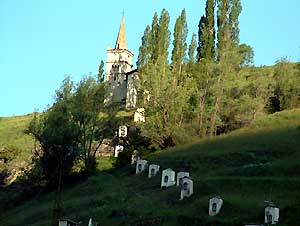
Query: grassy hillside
x,y
12,134
245,168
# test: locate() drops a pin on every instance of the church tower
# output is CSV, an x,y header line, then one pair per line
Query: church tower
x,y
118,70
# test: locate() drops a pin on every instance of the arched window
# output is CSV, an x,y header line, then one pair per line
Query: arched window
x,y
269,218
140,167
185,186
214,207
152,171
166,179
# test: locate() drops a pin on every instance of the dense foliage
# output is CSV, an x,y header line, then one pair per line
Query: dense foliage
x,y
212,91
70,131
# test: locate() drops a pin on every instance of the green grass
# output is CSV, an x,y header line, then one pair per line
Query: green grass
x,y
244,167
12,134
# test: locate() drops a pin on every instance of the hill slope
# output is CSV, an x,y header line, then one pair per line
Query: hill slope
x,y
12,135
245,168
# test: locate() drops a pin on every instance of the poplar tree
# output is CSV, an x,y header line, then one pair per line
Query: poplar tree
x,y
180,45
206,33
191,50
223,26
145,49
163,37
228,25
153,38
236,9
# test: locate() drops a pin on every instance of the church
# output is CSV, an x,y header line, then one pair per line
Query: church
x,y
120,76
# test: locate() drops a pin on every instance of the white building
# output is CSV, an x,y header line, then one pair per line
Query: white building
x,y
215,205
141,165
168,178
120,77
122,131
153,170
186,187
271,214
181,175
139,115
118,149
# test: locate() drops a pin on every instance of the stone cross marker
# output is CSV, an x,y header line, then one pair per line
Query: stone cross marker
x,y
153,170
271,213
215,205
122,131
135,156
168,178
118,149
186,187
181,175
141,165
139,115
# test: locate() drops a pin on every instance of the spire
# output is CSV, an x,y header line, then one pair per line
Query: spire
x,y
121,40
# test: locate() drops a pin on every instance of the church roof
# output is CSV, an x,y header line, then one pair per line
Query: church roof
x,y
121,40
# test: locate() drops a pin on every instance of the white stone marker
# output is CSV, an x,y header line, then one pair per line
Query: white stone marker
x,y
139,115
215,205
135,156
186,187
181,175
153,170
271,214
141,165
168,178
122,131
90,222
67,223
118,149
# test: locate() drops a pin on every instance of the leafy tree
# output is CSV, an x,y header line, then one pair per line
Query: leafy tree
x,y
246,54
86,105
287,78
57,135
228,26
101,74
180,46
191,50
145,49
206,33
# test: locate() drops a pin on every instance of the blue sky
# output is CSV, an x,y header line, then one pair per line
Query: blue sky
x,y
41,41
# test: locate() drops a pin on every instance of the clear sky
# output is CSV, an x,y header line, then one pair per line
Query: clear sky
x,y
43,40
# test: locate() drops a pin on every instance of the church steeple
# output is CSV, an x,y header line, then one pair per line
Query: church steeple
x,y
121,40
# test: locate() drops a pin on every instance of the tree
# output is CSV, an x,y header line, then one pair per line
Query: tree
x,y
56,134
101,75
86,105
163,41
246,55
228,26
179,46
206,33
191,50
145,49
